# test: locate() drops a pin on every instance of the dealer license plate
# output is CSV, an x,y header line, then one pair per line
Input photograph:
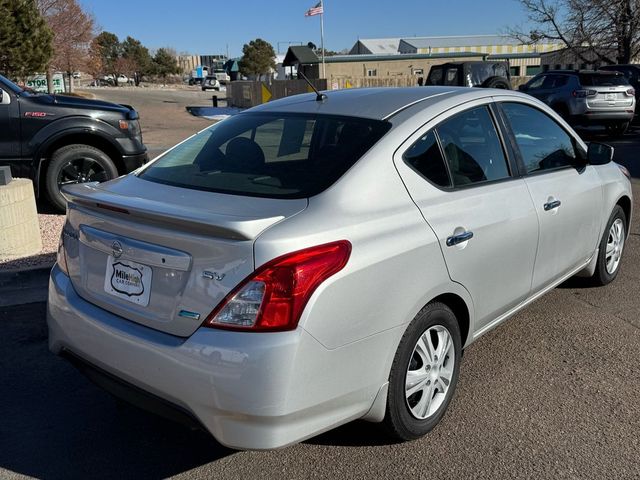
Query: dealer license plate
x,y
130,281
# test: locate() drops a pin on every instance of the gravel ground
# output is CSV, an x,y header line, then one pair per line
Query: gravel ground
x,y
50,228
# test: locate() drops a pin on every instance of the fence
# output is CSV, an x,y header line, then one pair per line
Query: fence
x,y
245,94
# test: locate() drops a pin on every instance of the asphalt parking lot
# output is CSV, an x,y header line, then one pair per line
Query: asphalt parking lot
x,y
554,392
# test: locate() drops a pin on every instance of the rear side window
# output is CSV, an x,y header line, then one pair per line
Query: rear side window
x,y
602,80
268,155
425,158
472,147
543,144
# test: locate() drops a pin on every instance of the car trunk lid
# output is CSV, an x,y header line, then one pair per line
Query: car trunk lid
x,y
160,255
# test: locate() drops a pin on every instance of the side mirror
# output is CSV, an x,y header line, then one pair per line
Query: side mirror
x,y
5,99
523,88
599,153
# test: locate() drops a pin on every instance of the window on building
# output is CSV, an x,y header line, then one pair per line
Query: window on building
x,y
557,66
514,71
545,68
372,72
533,70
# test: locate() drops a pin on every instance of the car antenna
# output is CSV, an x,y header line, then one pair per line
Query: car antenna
x,y
320,97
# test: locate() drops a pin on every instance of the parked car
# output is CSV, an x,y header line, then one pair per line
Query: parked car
x,y
210,83
58,140
345,247
222,76
632,74
585,97
483,74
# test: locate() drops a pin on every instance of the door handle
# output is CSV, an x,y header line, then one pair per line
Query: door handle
x,y
456,239
551,205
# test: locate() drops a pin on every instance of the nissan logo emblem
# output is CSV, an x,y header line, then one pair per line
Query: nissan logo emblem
x,y
116,247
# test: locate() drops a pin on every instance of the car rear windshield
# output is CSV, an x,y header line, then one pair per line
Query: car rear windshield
x,y
268,154
602,80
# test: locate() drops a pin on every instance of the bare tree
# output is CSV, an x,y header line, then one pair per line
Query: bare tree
x,y
608,30
73,30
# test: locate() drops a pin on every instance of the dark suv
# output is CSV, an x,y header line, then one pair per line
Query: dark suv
x,y
586,97
57,140
471,74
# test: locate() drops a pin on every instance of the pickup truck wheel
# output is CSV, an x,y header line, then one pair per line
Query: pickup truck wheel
x,y
76,164
424,373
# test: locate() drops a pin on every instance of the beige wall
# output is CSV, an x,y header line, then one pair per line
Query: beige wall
x,y
495,49
387,68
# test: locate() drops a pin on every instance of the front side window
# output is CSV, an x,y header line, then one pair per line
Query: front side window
x,y
268,154
543,144
472,148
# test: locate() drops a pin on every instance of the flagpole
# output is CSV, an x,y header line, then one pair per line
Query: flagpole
x,y
322,36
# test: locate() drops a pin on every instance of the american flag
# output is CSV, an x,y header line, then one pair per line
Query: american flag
x,y
317,10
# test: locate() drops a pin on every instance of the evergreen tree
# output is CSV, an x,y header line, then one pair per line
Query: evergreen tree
x,y
165,63
26,45
258,58
138,57
108,49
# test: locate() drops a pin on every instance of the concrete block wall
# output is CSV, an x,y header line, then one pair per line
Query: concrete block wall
x,y
19,227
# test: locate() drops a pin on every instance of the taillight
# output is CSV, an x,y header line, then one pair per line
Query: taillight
x,y
274,296
584,93
630,92
61,256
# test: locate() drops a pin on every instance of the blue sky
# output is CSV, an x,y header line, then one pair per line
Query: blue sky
x,y
207,27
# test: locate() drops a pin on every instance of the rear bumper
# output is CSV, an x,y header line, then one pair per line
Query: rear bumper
x,y
251,391
596,116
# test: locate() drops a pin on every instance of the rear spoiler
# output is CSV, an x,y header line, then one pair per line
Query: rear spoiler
x,y
85,196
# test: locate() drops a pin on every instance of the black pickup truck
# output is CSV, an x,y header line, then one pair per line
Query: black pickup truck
x,y
57,140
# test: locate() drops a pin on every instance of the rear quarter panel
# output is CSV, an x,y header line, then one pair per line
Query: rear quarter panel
x,y
396,265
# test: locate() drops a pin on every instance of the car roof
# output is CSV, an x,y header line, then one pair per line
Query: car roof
x,y
372,103
580,72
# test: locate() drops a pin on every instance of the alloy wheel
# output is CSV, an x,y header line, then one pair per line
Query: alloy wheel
x,y
430,372
615,244
81,170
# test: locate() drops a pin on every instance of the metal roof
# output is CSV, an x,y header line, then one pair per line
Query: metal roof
x,y
373,103
300,55
399,56
460,41
377,46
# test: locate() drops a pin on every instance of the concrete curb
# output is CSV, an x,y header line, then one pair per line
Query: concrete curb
x,y
22,286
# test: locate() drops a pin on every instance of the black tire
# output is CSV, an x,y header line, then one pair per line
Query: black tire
x,y
617,129
562,110
84,162
602,276
400,422
497,82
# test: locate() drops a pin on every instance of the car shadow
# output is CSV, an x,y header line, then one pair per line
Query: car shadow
x,y
56,424
358,433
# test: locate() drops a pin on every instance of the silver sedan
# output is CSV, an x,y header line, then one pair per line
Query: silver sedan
x,y
317,260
